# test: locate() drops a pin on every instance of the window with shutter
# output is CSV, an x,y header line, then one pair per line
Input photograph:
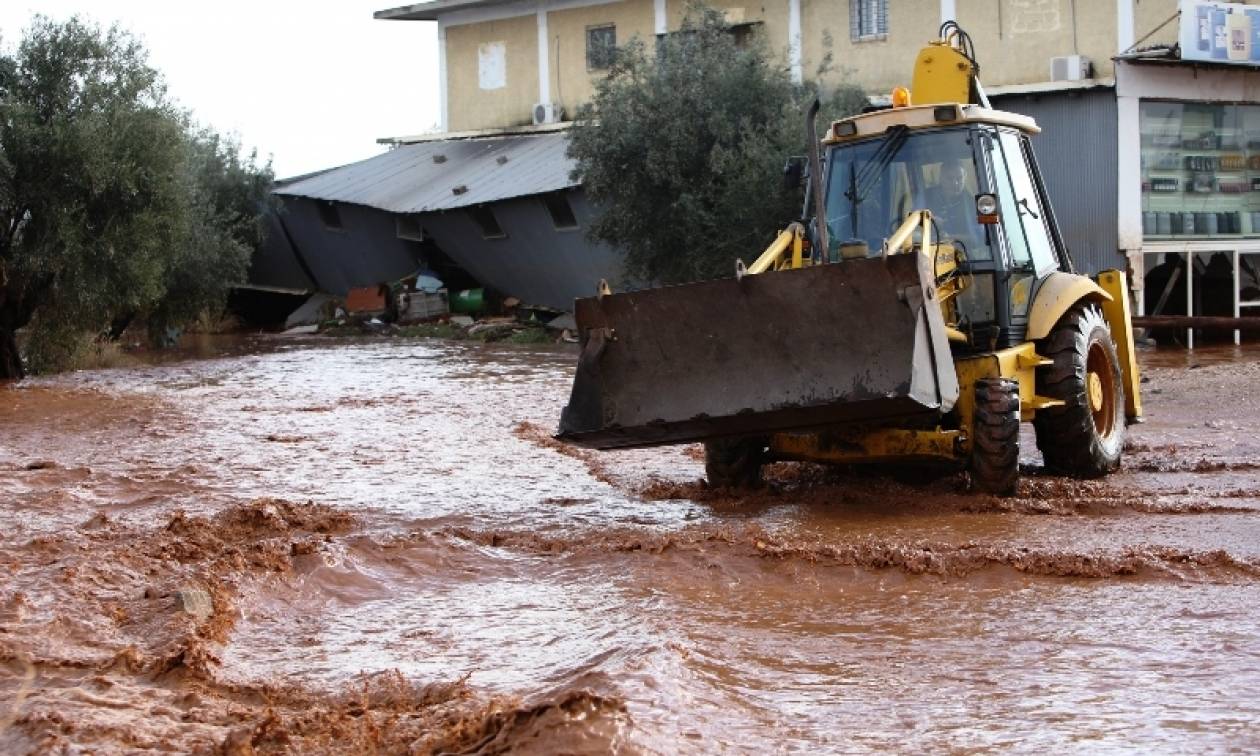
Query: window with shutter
x,y
868,20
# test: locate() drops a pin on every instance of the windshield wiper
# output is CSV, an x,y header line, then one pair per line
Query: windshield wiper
x,y
866,179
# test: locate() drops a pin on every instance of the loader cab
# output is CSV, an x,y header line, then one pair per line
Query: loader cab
x,y
973,168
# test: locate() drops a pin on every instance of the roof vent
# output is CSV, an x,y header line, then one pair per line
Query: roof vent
x,y
439,158
502,159
461,189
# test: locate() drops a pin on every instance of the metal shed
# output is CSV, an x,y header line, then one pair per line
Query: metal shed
x,y
1076,151
504,208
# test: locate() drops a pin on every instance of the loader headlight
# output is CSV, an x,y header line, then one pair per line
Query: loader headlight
x,y
986,208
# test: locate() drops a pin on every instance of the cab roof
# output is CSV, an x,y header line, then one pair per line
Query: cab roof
x,y
924,117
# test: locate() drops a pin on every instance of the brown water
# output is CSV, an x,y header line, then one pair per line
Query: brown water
x,y
533,597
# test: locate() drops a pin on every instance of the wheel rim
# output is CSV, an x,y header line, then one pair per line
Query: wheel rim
x,y
1100,389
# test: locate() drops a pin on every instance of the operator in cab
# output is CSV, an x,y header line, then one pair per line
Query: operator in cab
x,y
952,203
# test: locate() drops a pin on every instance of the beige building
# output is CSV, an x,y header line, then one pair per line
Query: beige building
x,y
507,63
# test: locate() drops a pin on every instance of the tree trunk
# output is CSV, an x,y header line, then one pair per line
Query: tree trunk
x,y
10,360
18,301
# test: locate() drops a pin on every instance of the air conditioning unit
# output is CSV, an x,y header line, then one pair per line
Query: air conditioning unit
x,y
548,112
1070,68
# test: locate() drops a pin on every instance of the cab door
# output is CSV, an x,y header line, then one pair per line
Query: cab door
x,y
1030,243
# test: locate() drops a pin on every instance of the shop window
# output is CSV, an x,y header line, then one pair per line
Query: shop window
x,y
868,20
1200,169
329,215
560,210
601,47
484,218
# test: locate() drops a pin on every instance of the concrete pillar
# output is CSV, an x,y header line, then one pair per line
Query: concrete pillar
x,y
544,59
444,124
1124,25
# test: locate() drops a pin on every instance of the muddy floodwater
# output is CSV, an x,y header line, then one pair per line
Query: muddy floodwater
x,y
325,546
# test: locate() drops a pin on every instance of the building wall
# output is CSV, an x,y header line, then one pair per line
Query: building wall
x,y
1014,40
1149,14
276,265
1078,129
534,262
471,107
875,65
366,250
572,84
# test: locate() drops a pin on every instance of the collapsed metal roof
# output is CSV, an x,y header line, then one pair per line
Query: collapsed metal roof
x,y
445,175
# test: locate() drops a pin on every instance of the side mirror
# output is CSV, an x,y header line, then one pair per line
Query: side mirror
x,y
793,173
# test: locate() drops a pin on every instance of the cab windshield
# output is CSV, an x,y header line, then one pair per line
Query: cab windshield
x,y
873,185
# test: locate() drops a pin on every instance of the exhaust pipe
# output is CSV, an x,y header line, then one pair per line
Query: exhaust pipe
x,y
823,253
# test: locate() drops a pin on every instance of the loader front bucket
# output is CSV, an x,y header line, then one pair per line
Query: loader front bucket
x,y
851,342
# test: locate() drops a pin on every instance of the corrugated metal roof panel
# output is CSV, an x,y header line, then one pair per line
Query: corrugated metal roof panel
x,y
432,176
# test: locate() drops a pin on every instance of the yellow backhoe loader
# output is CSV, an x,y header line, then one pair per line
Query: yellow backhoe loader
x,y
922,309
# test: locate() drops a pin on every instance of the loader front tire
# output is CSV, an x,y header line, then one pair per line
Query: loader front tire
x,y
1084,437
734,462
995,437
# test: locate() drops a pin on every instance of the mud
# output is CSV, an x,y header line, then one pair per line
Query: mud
x,y
297,547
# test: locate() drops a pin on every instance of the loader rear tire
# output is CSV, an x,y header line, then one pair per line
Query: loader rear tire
x,y
995,437
1083,438
734,462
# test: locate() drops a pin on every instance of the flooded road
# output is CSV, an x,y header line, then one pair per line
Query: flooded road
x,y
312,545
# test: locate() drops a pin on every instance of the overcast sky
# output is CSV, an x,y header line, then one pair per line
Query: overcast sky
x,y
312,83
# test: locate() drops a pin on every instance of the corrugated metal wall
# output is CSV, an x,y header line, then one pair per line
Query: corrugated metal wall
x,y
366,251
1076,150
534,262
276,264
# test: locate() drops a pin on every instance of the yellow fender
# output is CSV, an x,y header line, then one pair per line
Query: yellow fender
x,y
1063,290
1055,297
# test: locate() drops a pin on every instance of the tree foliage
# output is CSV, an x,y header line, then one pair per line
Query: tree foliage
x,y
110,202
682,148
225,193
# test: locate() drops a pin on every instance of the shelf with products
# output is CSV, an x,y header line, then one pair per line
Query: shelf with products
x,y
1200,170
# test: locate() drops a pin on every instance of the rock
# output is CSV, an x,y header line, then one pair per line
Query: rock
x,y
301,330
563,323
463,321
42,464
194,601
493,331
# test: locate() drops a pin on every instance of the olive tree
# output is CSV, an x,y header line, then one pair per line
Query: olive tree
x,y
226,193
110,202
682,148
